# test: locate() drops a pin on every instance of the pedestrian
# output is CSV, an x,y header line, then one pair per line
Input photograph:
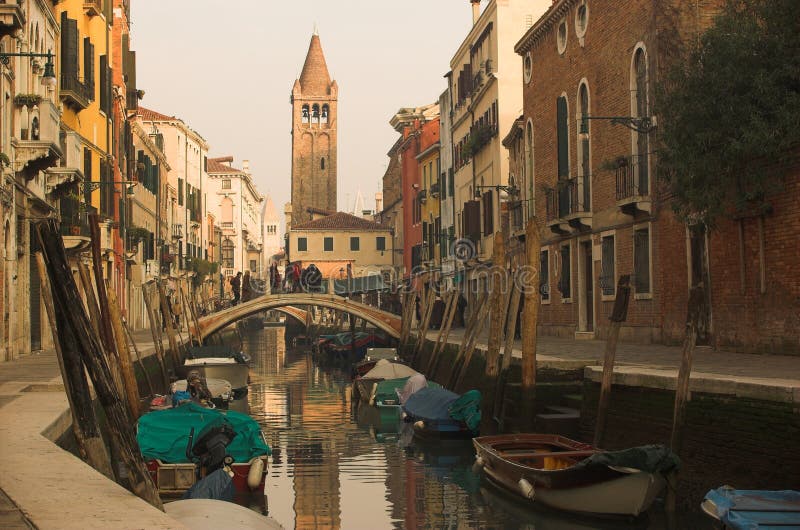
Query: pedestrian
x,y
247,288
461,308
296,270
236,286
418,309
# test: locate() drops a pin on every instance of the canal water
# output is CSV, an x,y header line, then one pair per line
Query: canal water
x,y
332,469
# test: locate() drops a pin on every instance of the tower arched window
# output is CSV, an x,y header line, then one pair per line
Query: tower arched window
x,y
322,163
315,114
325,112
584,148
305,114
639,107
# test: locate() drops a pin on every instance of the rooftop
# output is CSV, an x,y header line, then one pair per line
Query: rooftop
x,y
340,221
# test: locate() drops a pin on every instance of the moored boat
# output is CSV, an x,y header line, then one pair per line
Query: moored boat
x,y
182,444
221,394
734,509
438,413
219,362
371,358
572,476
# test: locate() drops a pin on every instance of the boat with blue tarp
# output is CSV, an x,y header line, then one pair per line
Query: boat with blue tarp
x,y
438,413
734,509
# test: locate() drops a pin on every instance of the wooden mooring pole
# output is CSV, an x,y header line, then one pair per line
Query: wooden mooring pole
x,y
76,324
84,422
138,356
169,324
155,330
618,315
529,277
129,384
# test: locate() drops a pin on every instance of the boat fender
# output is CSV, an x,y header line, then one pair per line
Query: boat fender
x,y
526,488
255,473
478,465
419,424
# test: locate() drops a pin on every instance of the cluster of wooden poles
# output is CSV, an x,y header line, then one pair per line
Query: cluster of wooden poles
x,y
502,306
94,339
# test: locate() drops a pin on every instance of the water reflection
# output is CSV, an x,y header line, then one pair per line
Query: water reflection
x,y
334,466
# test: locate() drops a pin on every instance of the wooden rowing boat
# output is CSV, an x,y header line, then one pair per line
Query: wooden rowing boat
x,y
572,476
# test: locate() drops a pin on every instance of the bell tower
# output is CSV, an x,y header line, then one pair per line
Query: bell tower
x,y
314,112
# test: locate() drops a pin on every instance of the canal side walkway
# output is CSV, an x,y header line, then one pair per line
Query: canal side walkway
x,y
43,486
766,377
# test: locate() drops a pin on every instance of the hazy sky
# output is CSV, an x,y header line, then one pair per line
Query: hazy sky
x,y
227,69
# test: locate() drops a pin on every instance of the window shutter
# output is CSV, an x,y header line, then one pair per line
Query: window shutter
x,y
88,65
563,146
69,45
104,84
488,213
544,275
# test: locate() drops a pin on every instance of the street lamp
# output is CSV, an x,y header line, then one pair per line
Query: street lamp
x,y
641,124
49,76
510,189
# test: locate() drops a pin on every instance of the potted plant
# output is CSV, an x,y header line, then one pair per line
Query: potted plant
x,y
29,100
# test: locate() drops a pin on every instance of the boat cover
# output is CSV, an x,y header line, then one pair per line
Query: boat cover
x,y
387,390
649,458
413,384
753,509
388,370
439,404
164,434
224,351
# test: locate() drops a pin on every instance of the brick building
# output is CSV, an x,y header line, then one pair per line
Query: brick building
x,y
590,181
314,136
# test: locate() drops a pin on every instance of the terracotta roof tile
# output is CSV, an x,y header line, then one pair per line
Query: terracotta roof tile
x,y
340,221
215,166
151,115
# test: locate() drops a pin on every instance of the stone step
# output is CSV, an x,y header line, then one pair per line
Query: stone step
x,y
573,400
566,411
565,424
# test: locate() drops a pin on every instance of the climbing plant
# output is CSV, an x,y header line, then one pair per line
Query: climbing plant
x,y
729,111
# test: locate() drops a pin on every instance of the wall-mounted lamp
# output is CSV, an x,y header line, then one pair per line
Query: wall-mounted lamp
x,y
129,190
415,186
512,190
49,75
642,124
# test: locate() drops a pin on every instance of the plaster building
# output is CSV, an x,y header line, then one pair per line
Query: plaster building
x,y
314,135
186,195
447,189
270,232
486,97
429,196
237,204
335,241
419,128
600,211
390,214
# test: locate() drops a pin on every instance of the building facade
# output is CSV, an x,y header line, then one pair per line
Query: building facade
x,y
314,135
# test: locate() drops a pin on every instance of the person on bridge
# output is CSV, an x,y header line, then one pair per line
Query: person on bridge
x,y
236,286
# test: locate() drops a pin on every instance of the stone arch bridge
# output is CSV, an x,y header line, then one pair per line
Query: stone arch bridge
x,y
383,320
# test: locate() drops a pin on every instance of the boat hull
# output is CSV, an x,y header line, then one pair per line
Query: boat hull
x,y
543,469
235,373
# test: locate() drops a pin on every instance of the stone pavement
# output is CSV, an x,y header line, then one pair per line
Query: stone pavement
x,y
42,485
772,377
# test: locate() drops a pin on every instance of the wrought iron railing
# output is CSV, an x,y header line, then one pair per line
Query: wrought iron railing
x,y
632,177
79,91
568,198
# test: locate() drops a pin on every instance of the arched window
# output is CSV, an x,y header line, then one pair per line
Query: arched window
x,y
35,128
305,114
325,114
639,106
529,169
322,163
583,149
315,114
226,208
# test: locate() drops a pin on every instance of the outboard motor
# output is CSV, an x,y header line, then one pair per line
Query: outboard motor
x,y
212,445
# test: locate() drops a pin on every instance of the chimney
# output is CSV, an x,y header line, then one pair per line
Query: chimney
x,y
476,10
246,166
378,202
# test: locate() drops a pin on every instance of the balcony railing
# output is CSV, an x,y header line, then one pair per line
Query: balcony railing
x,y
435,189
12,17
75,92
177,231
632,177
92,7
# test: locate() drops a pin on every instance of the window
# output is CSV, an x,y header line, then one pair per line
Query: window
x,y
544,275
322,163
527,67
252,265
563,137
315,114
302,244
488,213
227,253
324,115
327,244
607,275
641,260
355,243
565,283
380,243
305,116
581,20
180,192
640,109
583,142
562,36
226,184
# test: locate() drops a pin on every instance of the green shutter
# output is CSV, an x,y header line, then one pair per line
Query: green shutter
x,y
563,139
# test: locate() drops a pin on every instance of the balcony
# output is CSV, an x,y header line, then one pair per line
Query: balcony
x,y
633,185
568,206
75,93
69,169
422,196
36,142
92,8
12,17
434,189
75,225
177,231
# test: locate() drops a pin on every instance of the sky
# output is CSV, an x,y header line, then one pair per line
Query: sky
x,y
227,70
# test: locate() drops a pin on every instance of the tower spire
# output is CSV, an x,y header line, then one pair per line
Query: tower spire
x,y
315,79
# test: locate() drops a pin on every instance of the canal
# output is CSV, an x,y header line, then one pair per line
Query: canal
x,y
331,469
